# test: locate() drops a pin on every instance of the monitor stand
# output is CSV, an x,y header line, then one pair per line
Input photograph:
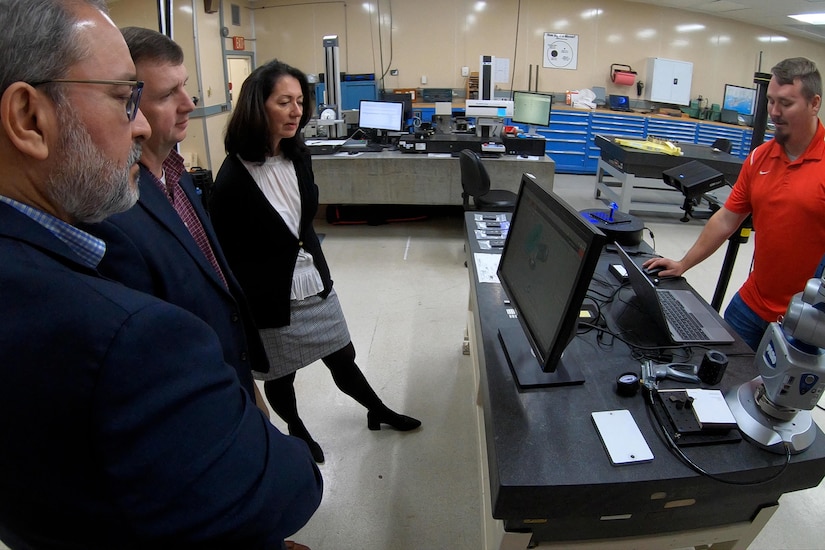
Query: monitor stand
x,y
527,369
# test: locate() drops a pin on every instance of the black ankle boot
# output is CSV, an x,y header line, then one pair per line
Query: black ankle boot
x,y
400,422
301,433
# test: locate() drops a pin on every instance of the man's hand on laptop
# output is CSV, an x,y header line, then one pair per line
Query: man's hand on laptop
x,y
663,267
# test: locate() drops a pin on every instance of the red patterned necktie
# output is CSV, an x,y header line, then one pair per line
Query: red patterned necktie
x,y
190,219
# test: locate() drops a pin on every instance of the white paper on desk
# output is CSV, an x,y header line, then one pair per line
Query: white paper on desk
x,y
710,408
439,155
347,154
486,267
332,142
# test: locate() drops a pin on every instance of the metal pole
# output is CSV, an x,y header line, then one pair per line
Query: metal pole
x,y
760,121
332,78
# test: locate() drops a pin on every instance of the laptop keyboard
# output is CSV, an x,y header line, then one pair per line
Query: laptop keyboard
x,y
685,323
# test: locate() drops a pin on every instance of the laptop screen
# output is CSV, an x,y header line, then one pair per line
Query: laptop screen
x,y
619,102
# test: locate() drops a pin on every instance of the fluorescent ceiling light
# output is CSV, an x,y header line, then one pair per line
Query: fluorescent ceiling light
x,y
810,18
773,38
690,27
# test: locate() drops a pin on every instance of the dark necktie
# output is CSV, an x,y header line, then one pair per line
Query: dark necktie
x,y
190,219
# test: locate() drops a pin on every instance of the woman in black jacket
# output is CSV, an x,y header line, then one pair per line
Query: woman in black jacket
x,y
262,207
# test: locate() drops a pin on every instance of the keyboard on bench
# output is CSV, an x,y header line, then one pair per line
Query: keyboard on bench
x,y
683,321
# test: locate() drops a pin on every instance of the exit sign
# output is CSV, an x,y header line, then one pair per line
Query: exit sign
x,y
238,43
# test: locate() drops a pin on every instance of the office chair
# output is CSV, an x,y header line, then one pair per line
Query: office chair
x,y
475,183
723,145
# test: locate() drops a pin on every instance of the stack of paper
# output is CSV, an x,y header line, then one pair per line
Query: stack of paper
x,y
711,410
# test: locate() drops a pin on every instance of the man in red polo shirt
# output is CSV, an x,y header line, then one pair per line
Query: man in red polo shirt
x,y
782,184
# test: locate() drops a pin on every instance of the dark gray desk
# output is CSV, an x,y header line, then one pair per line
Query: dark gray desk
x,y
404,178
550,478
629,166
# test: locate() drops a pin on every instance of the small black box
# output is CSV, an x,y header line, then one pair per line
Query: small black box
x,y
693,178
524,146
432,95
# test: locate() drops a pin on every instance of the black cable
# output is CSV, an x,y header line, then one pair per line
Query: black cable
x,y
698,469
652,237
515,49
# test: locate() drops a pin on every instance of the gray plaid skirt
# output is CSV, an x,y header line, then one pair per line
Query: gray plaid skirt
x,y
316,329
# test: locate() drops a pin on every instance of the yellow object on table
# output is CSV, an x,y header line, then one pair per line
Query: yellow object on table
x,y
652,144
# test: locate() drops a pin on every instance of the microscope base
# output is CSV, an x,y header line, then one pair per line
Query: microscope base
x,y
767,432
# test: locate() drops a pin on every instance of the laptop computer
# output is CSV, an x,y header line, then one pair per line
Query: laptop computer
x,y
687,319
619,103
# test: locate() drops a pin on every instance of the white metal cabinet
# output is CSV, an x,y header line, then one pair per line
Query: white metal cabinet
x,y
668,80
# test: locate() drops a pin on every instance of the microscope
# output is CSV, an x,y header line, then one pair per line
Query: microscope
x,y
773,409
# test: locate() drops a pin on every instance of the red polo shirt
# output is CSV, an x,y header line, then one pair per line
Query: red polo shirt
x,y
787,200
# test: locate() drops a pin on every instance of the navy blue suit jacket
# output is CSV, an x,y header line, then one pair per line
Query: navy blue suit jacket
x,y
120,424
149,249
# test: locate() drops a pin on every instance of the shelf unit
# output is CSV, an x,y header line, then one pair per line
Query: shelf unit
x,y
471,88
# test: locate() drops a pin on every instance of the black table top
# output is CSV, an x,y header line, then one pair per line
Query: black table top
x,y
548,469
648,164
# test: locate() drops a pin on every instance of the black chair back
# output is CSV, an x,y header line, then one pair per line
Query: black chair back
x,y
475,181
723,145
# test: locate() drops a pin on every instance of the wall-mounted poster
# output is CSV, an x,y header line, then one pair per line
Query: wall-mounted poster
x,y
561,51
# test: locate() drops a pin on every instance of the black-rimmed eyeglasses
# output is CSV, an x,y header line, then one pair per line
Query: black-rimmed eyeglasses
x,y
131,105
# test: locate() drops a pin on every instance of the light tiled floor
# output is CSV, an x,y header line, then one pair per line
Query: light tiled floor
x,y
404,290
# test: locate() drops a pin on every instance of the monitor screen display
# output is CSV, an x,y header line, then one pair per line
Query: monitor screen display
x,y
381,115
548,261
406,99
532,108
739,99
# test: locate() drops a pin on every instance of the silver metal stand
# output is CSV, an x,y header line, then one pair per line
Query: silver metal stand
x,y
765,431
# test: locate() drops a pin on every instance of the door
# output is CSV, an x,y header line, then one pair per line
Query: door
x,y
239,68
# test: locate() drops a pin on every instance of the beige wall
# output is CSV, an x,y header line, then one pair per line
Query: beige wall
x,y
136,13
435,38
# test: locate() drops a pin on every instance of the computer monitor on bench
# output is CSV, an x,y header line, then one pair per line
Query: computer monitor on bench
x,y
549,258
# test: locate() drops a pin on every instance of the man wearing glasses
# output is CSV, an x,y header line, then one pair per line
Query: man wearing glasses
x,y
165,245
121,426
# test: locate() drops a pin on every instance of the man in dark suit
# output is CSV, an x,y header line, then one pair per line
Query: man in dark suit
x,y
165,245
121,425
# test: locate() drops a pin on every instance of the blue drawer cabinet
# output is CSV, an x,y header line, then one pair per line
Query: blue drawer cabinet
x,y
708,133
351,93
612,124
746,141
424,114
675,130
567,141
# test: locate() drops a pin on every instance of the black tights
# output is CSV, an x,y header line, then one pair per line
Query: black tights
x,y
345,373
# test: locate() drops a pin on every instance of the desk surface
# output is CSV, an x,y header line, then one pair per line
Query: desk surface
x,y
392,177
548,470
647,164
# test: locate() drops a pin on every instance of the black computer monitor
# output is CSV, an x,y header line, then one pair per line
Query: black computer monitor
x,y
545,269
380,115
406,99
532,108
740,99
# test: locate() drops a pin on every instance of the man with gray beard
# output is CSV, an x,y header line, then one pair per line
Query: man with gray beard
x,y
121,426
